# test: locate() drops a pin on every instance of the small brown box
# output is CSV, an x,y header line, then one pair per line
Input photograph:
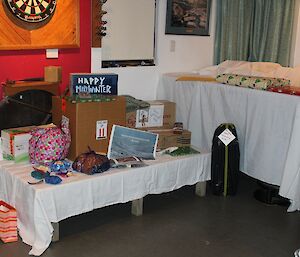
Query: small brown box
x,y
83,120
167,138
53,74
169,115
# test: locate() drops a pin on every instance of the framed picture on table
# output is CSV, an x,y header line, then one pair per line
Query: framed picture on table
x,y
129,142
188,17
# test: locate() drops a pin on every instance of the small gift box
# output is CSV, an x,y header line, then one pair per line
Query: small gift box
x,y
8,223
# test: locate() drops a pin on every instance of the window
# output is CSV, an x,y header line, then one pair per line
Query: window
x,y
254,30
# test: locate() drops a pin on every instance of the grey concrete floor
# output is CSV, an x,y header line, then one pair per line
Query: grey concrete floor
x,y
178,224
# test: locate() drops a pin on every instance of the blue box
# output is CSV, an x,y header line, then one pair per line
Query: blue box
x,y
94,83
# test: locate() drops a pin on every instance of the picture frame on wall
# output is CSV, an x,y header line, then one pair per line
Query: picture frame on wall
x,y
188,17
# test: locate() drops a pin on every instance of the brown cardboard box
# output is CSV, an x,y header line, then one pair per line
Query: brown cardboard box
x,y
168,117
52,74
83,118
168,139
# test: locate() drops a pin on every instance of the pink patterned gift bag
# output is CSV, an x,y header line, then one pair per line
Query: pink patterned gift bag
x,y
8,223
49,144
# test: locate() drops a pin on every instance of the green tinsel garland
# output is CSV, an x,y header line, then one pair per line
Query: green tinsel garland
x,y
183,150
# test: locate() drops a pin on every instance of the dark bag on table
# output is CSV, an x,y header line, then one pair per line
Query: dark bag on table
x,y
225,163
91,163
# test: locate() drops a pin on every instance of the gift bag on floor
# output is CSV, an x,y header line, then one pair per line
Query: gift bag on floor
x,y
8,223
225,160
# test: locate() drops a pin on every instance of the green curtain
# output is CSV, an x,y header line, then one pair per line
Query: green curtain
x,y
254,30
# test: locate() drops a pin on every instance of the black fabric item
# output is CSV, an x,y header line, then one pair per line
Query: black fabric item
x,y
269,194
218,163
32,107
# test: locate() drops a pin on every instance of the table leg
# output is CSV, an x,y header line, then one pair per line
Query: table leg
x,y
55,236
137,207
200,189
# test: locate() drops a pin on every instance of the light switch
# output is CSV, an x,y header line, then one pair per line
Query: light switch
x,y
52,53
172,46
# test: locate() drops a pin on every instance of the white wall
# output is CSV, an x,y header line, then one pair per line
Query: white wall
x,y
191,53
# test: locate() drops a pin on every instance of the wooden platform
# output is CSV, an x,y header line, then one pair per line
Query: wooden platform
x,y
11,89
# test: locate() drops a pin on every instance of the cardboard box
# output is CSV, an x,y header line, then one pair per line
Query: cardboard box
x,y
52,74
15,143
90,122
167,138
160,114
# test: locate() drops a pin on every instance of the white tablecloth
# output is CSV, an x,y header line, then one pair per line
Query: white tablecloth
x,y
39,205
267,123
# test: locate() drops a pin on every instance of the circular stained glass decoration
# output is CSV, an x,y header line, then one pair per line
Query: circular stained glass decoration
x,y
32,11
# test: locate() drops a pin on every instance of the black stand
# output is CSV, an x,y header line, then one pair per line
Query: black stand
x,y
269,194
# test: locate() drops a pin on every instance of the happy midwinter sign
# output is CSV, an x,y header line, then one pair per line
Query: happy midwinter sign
x,y
94,83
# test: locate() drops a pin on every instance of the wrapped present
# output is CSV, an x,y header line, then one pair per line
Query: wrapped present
x,y
286,90
8,223
262,83
49,144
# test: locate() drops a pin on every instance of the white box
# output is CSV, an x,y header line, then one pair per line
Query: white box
x,y
160,114
15,143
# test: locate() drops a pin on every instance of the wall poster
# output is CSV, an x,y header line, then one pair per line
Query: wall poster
x,y
188,17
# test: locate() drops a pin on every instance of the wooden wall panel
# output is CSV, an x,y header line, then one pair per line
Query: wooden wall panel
x,y
62,31
96,22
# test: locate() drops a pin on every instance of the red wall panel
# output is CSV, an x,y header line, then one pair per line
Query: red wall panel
x,y
21,64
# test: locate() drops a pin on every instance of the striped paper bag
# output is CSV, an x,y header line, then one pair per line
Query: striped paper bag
x,y
8,223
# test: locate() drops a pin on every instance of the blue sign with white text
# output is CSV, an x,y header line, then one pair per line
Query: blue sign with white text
x,y
94,83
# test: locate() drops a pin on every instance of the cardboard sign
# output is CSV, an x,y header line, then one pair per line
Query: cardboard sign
x,y
92,83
